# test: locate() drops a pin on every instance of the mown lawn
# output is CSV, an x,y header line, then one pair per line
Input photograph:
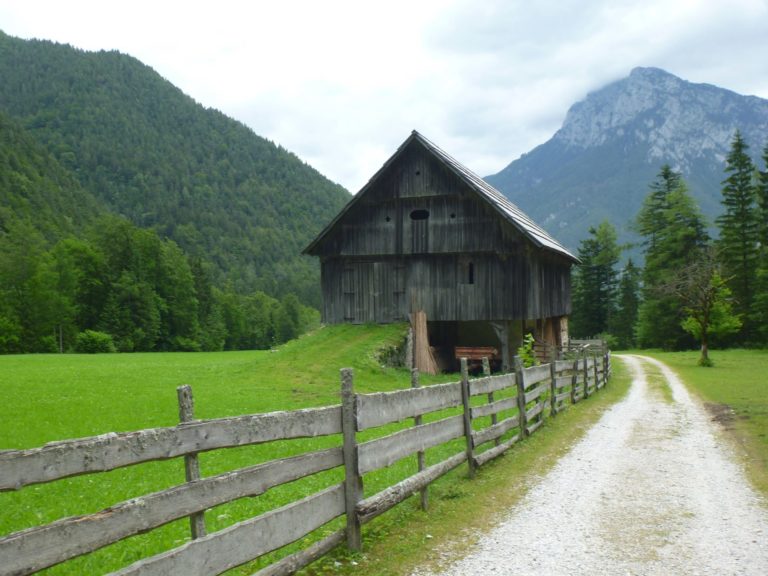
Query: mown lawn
x,y
735,392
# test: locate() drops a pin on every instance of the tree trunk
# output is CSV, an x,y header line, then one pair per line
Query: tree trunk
x,y
704,360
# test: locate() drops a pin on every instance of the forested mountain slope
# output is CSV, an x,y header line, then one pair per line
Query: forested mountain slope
x,y
149,152
37,190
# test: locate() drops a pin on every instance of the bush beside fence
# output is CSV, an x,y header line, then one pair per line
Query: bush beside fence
x,y
490,413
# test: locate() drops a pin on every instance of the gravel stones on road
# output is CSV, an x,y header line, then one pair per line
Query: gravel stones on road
x,y
650,490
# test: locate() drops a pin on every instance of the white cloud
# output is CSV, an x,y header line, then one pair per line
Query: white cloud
x,y
342,83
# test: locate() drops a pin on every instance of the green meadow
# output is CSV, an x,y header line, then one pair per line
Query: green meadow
x,y
54,397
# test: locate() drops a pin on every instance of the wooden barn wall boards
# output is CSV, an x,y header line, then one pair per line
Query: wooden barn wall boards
x,y
427,234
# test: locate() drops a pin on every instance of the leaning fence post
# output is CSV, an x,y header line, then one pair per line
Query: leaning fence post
x,y
521,398
467,416
191,463
420,454
353,481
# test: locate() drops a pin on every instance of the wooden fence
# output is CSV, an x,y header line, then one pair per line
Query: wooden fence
x,y
490,413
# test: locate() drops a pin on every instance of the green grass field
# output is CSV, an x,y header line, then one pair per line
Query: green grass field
x,y
735,392
53,397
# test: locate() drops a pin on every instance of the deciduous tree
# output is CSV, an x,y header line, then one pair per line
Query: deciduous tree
x,y
706,301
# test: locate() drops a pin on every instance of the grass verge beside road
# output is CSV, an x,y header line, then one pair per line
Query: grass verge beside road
x,y
406,538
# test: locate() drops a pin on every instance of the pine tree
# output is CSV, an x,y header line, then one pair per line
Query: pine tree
x,y
759,316
762,201
677,235
740,230
622,323
595,282
651,220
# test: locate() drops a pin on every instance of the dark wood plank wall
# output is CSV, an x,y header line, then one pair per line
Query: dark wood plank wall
x,y
421,239
380,223
386,290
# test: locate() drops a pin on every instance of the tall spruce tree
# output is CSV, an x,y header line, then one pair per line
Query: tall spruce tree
x,y
622,324
759,317
762,201
595,282
674,239
651,220
740,232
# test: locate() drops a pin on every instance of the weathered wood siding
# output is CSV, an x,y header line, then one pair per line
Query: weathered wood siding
x,y
420,238
386,290
419,207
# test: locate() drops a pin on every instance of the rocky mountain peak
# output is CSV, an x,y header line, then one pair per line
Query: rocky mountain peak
x,y
613,143
676,121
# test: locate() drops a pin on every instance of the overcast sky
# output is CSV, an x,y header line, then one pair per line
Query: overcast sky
x,y
343,83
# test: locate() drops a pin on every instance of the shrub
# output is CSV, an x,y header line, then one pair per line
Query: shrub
x,y
182,344
610,340
526,353
92,342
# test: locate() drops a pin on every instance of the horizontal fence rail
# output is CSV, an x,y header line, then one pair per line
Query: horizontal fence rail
x,y
491,413
110,451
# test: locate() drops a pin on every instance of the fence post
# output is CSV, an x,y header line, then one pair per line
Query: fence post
x,y
494,417
420,453
353,482
191,463
574,380
597,374
467,416
521,398
552,388
586,377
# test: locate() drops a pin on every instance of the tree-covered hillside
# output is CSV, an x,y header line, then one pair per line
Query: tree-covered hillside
x,y
74,277
36,189
152,154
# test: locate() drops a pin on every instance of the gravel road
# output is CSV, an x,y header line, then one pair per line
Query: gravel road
x,y
650,489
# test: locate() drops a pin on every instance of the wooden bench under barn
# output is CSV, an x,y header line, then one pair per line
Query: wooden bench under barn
x,y
475,354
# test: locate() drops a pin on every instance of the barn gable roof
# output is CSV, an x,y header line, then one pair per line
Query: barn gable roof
x,y
509,211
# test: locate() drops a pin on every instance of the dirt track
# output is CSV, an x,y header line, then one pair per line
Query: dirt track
x,y
650,489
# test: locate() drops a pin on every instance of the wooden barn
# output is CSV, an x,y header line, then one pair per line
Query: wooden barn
x,y
427,235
